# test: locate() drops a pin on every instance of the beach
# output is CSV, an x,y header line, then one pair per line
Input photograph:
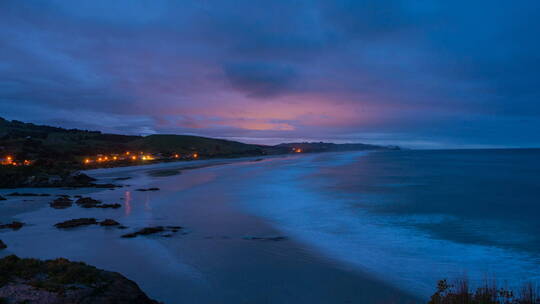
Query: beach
x,y
317,228
211,261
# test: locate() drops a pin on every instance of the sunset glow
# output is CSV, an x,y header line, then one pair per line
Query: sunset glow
x,y
327,70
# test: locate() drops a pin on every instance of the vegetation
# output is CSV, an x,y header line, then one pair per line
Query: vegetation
x,y
62,281
52,145
44,156
52,275
185,144
489,293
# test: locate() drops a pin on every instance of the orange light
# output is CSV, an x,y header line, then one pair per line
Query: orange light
x,y
176,156
144,157
127,153
115,158
195,155
134,157
9,158
87,161
298,150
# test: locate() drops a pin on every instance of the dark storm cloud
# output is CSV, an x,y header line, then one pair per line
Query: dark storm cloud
x,y
455,73
260,79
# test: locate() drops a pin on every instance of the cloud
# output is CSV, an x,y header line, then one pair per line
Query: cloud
x,y
260,79
277,69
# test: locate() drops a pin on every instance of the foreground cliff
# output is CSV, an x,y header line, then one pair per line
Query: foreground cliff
x,y
61,282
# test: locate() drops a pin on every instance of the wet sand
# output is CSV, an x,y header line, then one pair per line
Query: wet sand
x,y
211,261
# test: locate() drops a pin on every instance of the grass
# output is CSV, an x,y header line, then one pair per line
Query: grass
x,y
49,275
460,292
186,144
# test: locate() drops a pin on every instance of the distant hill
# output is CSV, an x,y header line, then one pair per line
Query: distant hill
x,y
44,156
308,147
30,141
188,144
58,145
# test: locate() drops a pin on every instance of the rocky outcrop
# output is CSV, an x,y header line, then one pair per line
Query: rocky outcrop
x,y
154,230
87,202
14,225
109,222
2,198
61,282
76,223
105,206
145,231
75,179
2,245
42,179
147,189
61,203
28,194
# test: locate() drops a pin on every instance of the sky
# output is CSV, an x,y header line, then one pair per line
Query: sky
x,y
416,73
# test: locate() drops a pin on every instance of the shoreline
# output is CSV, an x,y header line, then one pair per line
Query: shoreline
x,y
214,254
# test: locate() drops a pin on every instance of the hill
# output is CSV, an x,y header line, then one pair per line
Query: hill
x,y
168,144
33,142
30,141
44,156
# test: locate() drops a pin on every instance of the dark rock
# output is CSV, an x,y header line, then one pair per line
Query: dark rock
x,y
109,222
2,198
129,235
87,202
76,223
78,179
149,189
2,246
77,196
63,195
108,186
122,178
61,203
145,231
104,206
41,178
13,225
154,230
61,281
28,194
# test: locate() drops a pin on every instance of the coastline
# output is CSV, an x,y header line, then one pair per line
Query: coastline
x,y
213,260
